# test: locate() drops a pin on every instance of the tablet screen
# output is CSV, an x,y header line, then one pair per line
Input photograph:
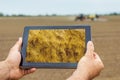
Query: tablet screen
x,y
55,46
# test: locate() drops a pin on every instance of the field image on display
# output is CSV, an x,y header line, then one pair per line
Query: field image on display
x,y
55,45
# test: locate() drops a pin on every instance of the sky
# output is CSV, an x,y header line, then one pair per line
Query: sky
x,y
61,7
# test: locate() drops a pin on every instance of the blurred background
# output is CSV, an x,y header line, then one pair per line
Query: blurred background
x,y
102,15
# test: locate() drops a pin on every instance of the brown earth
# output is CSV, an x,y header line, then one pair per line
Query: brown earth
x,y
105,35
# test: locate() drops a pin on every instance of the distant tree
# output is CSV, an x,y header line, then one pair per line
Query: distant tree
x,y
114,13
54,14
39,15
21,15
7,15
47,15
13,15
1,14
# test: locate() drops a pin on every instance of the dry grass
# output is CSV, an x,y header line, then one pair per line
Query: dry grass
x,y
105,35
55,45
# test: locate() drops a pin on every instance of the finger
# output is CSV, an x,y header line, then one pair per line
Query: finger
x,y
29,71
32,70
99,61
90,48
97,58
18,44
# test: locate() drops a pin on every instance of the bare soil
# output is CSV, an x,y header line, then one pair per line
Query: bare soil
x,y
105,35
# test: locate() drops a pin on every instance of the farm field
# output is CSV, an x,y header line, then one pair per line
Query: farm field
x,y
105,36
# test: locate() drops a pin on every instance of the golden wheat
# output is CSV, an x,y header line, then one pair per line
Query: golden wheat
x,y
55,45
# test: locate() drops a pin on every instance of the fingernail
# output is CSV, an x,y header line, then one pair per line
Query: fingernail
x,y
20,38
91,44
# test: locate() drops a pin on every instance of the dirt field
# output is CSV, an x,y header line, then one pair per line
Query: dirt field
x,y
105,35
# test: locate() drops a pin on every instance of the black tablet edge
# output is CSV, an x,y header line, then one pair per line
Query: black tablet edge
x,y
49,65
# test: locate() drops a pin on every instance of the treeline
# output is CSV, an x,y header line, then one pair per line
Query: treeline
x,y
23,15
114,13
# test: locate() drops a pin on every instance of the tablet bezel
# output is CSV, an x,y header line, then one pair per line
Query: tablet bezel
x,y
25,64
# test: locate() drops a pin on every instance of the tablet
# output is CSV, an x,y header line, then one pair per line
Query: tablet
x,y
54,46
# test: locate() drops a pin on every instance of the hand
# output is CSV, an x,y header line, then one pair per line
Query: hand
x,y
13,62
89,66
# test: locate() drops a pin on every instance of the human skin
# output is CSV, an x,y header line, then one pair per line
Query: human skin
x,y
9,68
89,66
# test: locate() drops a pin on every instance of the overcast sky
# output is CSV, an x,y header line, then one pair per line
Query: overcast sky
x,y
35,7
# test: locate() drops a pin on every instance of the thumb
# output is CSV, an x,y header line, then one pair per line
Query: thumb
x,y
90,48
18,44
